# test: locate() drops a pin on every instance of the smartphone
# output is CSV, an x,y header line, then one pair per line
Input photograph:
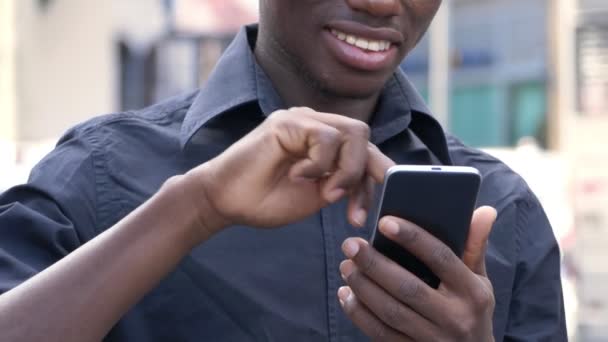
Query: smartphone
x,y
439,199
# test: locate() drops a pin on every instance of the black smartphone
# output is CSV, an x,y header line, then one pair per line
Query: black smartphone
x,y
439,199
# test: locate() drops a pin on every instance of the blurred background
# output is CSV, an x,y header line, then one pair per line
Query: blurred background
x,y
526,80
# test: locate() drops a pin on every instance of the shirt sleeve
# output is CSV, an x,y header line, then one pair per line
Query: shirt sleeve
x,y
536,310
50,216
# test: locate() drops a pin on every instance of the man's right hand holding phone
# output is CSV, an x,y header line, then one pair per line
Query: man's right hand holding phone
x,y
299,161
388,303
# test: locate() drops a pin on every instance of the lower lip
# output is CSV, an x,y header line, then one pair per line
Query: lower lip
x,y
358,58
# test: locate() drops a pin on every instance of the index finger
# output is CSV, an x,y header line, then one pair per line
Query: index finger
x,y
377,163
436,255
352,159
374,161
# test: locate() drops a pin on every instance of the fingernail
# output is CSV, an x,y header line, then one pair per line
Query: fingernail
x,y
360,217
389,227
335,195
350,248
346,269
344,294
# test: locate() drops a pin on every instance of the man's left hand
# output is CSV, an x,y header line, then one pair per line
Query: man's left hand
x,y
388,303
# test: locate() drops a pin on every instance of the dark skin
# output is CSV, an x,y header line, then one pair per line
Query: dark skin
x,y
287,48
311,158
306,74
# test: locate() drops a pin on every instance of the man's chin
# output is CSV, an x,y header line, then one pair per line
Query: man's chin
x,y
354,89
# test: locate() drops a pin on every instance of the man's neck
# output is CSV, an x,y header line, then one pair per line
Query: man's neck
x,y
296,91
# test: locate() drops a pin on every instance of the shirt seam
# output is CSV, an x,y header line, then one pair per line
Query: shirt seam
x,y
523,217
330,259
103,204
98,172
81,232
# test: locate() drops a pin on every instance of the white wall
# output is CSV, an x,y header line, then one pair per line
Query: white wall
x,y
65,65
7,74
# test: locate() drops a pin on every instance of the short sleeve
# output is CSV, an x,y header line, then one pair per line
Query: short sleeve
x,y
536,310
51,215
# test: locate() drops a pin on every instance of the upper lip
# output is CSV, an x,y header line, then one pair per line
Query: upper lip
x,y
367,32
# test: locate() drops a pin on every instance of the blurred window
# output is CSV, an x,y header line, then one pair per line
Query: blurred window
x,y
528,107
475,116
592,57
137,77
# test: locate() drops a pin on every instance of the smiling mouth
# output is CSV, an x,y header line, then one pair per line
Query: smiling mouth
x,y
364,44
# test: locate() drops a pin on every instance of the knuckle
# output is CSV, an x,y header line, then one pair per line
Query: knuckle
x,y
395,315
300,110
378,332
409,235
409,289
327,135
278,113
350,177
293,113
370,264
372,148
435,335
442,258
278,120
482,301
359,129
463,328
171,181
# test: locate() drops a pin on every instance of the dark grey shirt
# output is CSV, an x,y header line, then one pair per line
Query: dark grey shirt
x,y
254,285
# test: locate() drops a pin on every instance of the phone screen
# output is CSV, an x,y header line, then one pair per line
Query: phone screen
x,y
441,200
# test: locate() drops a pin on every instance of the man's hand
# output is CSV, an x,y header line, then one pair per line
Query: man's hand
x,y
295,163
388,303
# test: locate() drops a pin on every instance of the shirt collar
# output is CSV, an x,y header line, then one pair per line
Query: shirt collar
x,y
237,80
393,114
231,84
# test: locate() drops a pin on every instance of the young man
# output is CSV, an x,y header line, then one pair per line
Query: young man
x,y
155,225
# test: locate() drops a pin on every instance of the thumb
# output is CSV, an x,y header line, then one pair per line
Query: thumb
x,y
475,249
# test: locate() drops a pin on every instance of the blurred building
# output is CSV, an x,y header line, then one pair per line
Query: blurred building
x,y
61,65
121,55
583,125
7,81
499,51
198,32
65,61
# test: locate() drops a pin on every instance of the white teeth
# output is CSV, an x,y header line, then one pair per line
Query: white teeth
x,y
362,43
374,46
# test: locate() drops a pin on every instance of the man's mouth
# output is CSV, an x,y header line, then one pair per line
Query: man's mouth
x,y
362,47
362,43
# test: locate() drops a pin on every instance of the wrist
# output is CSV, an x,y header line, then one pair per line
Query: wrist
x,y
196,183
191,198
